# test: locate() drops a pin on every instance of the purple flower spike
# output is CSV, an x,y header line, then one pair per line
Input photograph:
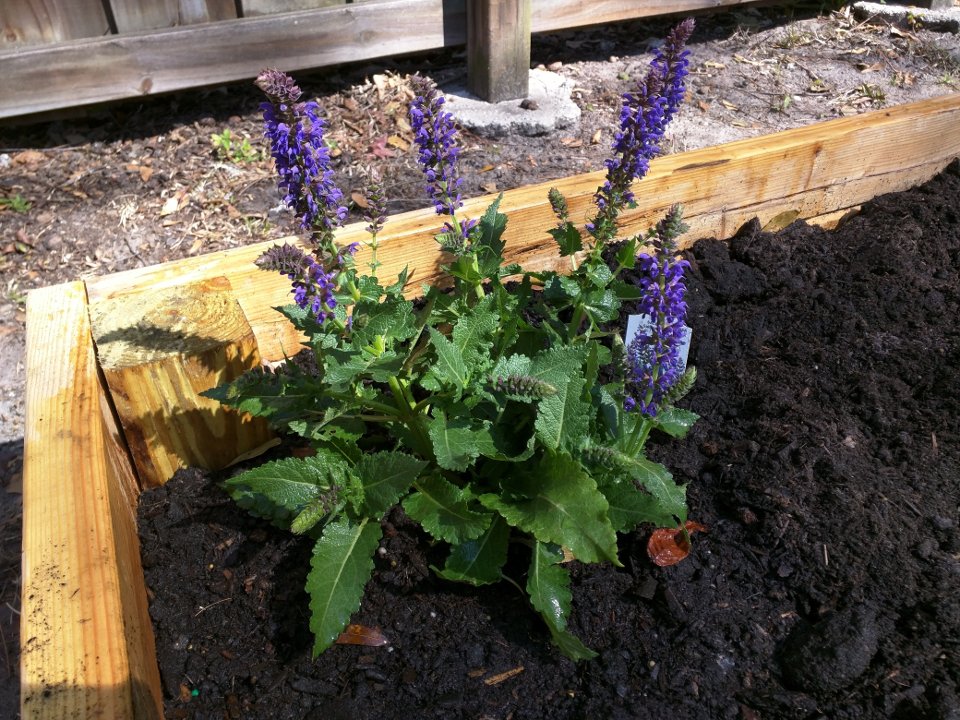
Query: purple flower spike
x,y
313,287
295,131
643,120
653,356
436,135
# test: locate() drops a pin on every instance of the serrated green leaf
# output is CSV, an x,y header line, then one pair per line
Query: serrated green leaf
x,y
478,561
402,277
392,319
291,483
563,418
487,242
455,442
279,397
558,502
560,289
630,506
627,254
602,305
342,563
450,368
568,239
473,335
439,507
309,516
548,585
658,481
302,319
342,367
674,421
385,477
599,275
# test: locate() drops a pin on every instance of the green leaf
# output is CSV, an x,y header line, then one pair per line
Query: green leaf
x,y
473,335
568,238
558,502
289,484
450,367
385,477
392,319
658,481
630,506
343,367
603,305
455,442
479,561
548,585
674,421
402,277
563,418
627,254
487,242
342,563
560,289
439,507
570,645
302,319
279,396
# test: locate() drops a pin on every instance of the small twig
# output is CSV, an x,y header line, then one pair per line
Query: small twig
x,y
203,609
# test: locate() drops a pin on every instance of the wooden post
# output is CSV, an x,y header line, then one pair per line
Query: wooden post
x,y
158,351
498,49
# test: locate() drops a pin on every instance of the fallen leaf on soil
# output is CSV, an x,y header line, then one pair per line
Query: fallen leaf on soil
x,y
490,187
781,220
398,142
359,200
595,140
486,168
714,64
174,203
729,105
145,173
704,106
379,148
571,142
668,546
362,635
28,157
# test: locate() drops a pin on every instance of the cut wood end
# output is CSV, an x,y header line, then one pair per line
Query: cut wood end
x,y
181,321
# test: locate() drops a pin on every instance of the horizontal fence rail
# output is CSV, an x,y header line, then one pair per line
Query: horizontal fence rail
x,y
191,43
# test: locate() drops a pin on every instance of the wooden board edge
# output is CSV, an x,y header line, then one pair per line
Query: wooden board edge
x,y
816,170
86,642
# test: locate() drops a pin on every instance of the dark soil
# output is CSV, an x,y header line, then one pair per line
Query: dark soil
x,y
826,465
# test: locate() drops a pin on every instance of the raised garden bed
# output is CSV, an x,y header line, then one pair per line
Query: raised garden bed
x,y
87,642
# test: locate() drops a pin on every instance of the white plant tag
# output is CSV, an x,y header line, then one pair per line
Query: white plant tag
x,y
636,323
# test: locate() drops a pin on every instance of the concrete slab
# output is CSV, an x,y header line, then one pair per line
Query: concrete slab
x,y
947,19
546,108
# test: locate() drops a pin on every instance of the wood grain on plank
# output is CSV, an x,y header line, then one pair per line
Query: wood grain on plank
x,y
86,641
28,22
158,350
817,170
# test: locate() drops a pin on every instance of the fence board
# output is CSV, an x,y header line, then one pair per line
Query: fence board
x,y
201,11
79,73
253,8
48,21
133,15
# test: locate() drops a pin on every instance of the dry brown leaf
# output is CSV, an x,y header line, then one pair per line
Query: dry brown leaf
x,y
170,206
28,157
398,142
145,173
362,635
490,187
668,546
704,106
714,64
486,168
360,200
597,136
571,142
729,105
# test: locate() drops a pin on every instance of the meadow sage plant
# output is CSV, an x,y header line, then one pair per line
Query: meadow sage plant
x,y
500,409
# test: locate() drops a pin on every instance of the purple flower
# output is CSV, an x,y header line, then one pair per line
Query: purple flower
x,y
376,211
313,286
295,131
435,135
643,120
653,356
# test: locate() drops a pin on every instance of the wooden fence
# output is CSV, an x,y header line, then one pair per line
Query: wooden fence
x,y
67,53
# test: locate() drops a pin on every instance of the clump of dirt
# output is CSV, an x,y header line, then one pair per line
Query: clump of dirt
x,y
826,466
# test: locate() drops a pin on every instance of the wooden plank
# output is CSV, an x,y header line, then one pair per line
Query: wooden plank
x,y
550,15
140,63
253,8
86,639
133,15
201,11
158,349
498,49
25,22
816,170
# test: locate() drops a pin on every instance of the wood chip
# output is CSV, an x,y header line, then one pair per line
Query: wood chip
x,y
499,678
